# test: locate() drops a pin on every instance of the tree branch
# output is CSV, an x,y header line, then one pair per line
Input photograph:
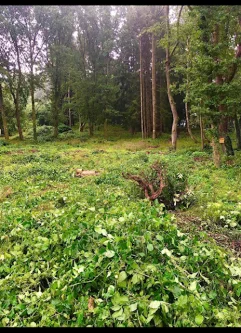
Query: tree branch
x,y
178,21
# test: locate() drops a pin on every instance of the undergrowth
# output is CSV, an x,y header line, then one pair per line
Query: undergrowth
x,y
67,242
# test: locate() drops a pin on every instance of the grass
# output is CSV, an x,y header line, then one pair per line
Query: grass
x,y
93,252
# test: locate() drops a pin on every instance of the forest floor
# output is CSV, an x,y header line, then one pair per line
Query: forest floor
x,y
92,251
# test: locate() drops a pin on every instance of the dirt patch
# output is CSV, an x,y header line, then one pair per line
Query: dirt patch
x,y
187,222
15,152
34,150
200,158
50,188
6,192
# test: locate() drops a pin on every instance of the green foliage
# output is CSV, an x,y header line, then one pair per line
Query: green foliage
x,y
4,143
66,239
64,128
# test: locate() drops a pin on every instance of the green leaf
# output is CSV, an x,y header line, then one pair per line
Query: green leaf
x,y
117,313
193,286
167,252
33,324
122,276
109,253
199,319
135,279
119,299
92,209
98,230
155,304
133,307
116,307
150,247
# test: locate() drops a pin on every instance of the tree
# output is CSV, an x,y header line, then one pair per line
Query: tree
x,y
11,40
2,110
168,80
32,27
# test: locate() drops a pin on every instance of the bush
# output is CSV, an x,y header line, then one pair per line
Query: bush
x,y
175,191
4,143
64,128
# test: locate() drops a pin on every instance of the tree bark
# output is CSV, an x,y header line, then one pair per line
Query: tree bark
x,y
187,104
141,89
153,86
201,131
69,110
169,93
81,125
216,152
4,119
33,104
91,129
237,130
188,124
17,115
105,128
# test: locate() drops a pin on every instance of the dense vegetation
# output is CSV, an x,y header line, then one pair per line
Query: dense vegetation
x,y
93,251
146,100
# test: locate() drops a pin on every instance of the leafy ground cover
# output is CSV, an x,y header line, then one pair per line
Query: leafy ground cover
x,y
93,252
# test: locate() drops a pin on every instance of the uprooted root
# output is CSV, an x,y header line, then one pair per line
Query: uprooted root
x,y
152,189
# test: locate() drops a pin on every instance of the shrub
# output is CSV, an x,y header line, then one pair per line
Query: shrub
x,y
64,128
4,143
166,185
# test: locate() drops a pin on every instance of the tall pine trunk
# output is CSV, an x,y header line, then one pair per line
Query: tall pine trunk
x,y
91,129
237,130
69,110
201,131
188,124
187,104
32,89
2,110
17,115
141,89
154,86
169,93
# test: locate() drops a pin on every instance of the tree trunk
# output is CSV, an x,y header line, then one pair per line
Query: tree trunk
x,y
4,119
187,104
141,89
56,118
91,129
237,130
201,131
188,124
33,105
17,109
69,111
153,86
17,115
105,128
81,125
216,152
169,93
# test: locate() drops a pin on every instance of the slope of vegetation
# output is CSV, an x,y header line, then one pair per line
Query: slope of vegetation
x,y
93,252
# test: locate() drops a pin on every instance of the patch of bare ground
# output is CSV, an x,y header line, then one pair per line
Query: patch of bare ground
x,y
50,188
191,223
45,207
5,193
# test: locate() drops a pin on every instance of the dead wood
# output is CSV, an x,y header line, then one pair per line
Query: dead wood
x,y
149,187
84,173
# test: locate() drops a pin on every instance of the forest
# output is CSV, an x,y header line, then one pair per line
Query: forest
x,y
120,159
